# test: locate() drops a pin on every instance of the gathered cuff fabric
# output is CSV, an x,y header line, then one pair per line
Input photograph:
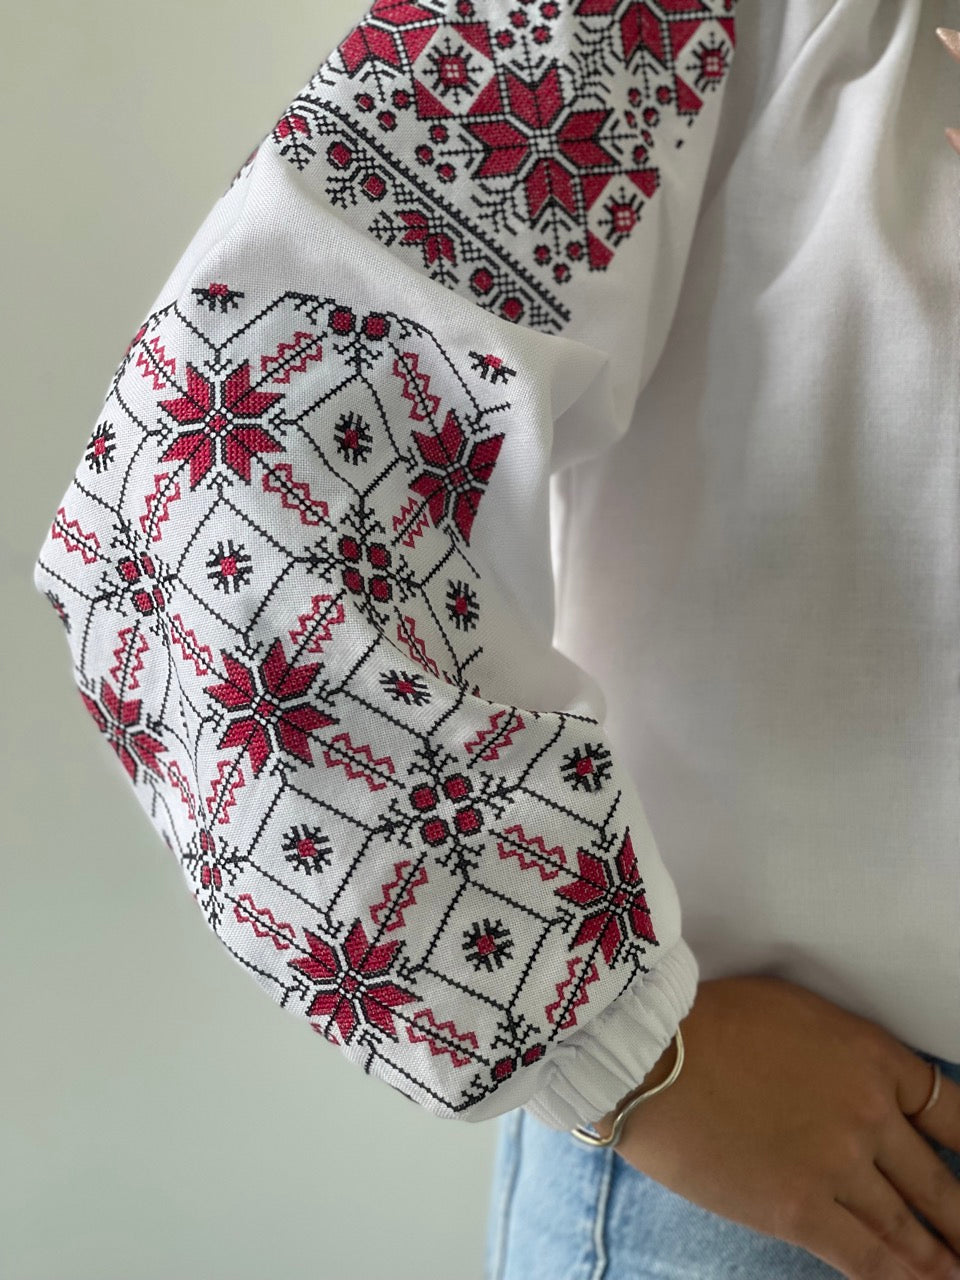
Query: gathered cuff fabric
x,y
593,1069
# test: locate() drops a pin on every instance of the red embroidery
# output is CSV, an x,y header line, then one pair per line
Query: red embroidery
x,y
284,493
508,154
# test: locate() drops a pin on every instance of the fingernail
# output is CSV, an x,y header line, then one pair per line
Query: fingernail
x,y
951,39
953,137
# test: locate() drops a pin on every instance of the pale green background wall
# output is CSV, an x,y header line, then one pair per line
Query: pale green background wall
x,y
160,1117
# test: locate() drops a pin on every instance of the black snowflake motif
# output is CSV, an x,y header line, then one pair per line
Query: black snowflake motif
x,y
353,438
491,368
586,768
621,215
59,609
402,686
217,297
229,567
486,945
462,606
713,65
101,448
307,848
454,71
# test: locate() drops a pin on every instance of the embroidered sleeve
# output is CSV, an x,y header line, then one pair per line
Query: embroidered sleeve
x,y
304,561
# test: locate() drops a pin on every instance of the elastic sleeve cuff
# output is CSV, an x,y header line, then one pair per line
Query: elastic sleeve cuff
x,y
594,1068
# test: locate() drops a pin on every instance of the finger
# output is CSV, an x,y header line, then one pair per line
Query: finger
x,y
878,1203
951,40
914,1079
912,1168
841,1239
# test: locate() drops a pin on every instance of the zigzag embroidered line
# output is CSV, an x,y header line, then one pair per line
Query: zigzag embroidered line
x,y
582,997
230,795
502,735
289,349
556,853
88,557
417,527
120,654
285,470
408,900
406,634
424,378
152,498
467,1037
266,914
183,787
322,630
148,370
180,639
353,773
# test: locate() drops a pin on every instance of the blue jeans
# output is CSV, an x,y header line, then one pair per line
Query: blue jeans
x,y
559,1210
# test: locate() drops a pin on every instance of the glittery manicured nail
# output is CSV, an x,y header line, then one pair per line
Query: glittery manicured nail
x,y
953,137
951,40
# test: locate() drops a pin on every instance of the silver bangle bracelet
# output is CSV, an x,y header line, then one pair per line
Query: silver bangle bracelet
x,y
592,1139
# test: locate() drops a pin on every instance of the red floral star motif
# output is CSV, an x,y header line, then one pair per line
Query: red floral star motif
x,y
265,721
615,898
555,148
117,720
221,413
453,480
348,993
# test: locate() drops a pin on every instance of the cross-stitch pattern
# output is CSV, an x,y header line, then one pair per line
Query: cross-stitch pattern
x,y
265,569
506,149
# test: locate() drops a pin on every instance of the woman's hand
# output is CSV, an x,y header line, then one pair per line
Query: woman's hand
x,y
951,41
789,1116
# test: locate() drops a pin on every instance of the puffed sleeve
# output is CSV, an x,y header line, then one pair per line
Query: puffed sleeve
x,y
304,563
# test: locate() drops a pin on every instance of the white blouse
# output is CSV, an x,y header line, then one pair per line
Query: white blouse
x,y
530,506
